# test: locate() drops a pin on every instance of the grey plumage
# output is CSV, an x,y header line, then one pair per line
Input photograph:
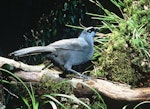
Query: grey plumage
x,y
67,52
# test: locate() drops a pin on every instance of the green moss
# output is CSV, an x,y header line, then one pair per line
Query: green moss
x,y
63,87
118,66
125,56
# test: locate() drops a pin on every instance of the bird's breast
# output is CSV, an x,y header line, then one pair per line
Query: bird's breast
x,y
81,56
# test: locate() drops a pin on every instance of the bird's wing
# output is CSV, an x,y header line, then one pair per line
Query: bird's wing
x,y
70,44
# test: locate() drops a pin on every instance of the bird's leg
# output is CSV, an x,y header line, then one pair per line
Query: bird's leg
x,y
79,74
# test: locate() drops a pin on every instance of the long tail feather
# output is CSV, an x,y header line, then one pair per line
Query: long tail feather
x,y
30,50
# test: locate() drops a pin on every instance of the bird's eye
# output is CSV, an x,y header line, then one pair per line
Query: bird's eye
x,y
90,30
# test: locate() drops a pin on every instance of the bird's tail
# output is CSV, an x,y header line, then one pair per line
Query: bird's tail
x,y
32,50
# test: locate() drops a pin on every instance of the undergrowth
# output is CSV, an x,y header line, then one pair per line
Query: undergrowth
x,y
124,57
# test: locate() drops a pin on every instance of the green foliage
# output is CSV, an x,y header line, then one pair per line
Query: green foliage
x,y
51,26
55,87
97,105
127,43
53,97
34,104
131,28
64,90
75,99
99,99
118,64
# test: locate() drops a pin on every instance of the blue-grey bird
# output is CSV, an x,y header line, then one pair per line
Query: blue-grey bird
x,y
67,52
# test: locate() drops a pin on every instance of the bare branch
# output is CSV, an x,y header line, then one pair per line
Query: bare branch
x,y
113,90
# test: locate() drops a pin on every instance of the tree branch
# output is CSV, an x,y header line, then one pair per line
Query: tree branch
x,y
113,90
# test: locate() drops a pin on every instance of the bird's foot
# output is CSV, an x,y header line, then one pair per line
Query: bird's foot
x,y
84,77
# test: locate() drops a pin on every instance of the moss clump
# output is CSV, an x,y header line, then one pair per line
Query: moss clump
x,y
118,66
52,86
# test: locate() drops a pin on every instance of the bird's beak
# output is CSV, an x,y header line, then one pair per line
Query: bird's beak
x,y
96,29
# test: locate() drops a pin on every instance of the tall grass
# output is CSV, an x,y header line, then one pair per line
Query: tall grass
x,y
132,26
52,98
35,104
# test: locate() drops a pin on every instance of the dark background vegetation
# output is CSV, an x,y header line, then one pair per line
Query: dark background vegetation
x,y
18,17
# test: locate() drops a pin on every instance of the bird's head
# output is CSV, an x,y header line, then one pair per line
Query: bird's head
x,y
89,32
91,29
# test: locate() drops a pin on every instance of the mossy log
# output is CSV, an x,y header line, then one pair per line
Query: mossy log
x,y
110,89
